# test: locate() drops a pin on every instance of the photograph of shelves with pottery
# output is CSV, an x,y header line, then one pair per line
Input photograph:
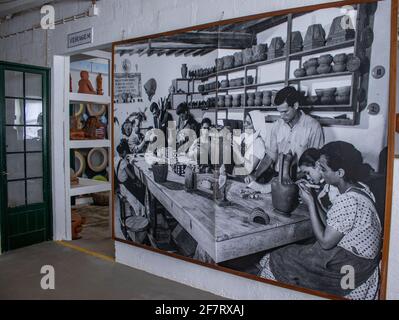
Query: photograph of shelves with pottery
x,y
306,83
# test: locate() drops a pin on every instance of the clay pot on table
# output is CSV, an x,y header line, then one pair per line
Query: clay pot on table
x,y
238,59
284,191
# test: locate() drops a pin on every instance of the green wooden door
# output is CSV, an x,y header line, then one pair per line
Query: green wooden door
x,y
24,158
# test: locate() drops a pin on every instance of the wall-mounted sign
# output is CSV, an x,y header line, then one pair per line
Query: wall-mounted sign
x,y
79,38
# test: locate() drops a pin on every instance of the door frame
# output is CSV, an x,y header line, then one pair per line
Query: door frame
x,y
47,173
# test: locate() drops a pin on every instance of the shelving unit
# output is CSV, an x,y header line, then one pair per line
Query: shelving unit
x,y
85,185
351,109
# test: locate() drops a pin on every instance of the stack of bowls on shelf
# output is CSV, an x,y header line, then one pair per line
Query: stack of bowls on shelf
x,y
259,52
342,95
276,48
315,37
310,66
236,100
326,96
324,64
258,98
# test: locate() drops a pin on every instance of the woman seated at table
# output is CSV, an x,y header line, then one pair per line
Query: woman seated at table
x,y
311,172
249,153
352,236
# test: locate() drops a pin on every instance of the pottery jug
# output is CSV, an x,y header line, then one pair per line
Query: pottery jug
x,y
284,191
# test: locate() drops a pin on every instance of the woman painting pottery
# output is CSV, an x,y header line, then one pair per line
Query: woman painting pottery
x,y
351,239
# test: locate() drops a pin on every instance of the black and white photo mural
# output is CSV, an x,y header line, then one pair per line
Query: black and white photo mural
x,y
260,146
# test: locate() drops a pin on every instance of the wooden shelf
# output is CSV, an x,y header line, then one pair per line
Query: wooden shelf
x,y
320,76
88,98
342,45
87,186
82,144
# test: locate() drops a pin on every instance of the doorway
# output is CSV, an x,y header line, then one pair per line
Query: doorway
x,y
25,183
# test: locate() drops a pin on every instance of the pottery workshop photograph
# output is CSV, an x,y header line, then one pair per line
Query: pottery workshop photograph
x,y
299,188
199,150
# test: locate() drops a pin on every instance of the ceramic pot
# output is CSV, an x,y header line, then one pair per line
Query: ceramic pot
x,y
267,98
219,64
184,70
343,91
299,73
313,62
342,99
236,100
228,101
228,62
190,179
311,71
224,83
221,101
247,56
327,99
339,67
340,58
250,79
238,59
353,63
258,102
259,52
314,37
323,68
325,59
160,171
284,192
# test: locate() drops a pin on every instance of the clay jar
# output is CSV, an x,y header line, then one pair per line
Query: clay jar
x,y
284,192
339,67
323,68
219,64
251,99
311,71
267,98
243,100
236,100
224,83
228,101
258,98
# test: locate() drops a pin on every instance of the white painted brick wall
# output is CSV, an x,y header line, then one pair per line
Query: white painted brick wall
x,y
144,17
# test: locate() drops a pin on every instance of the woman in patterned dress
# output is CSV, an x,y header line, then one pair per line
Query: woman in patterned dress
x,y
351,240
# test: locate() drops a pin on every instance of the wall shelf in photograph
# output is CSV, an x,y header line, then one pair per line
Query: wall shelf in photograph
x,y
87,186
82,144
88,98
320,76
342,45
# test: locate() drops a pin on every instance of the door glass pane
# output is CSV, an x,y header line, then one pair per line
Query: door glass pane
x,y
16,193
14,139
34,138
14,83
34,165
33,85
15,166
33,112
34,191
14,111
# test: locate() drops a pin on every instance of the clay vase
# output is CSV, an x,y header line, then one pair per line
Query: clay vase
x,y
267,98
184,70
251,99
247,56
190,179
284,192
236,100
258,98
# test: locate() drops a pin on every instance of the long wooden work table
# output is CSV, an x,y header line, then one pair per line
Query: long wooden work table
x,y
225,232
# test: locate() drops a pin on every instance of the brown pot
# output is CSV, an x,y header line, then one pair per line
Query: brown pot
x,y
284,192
